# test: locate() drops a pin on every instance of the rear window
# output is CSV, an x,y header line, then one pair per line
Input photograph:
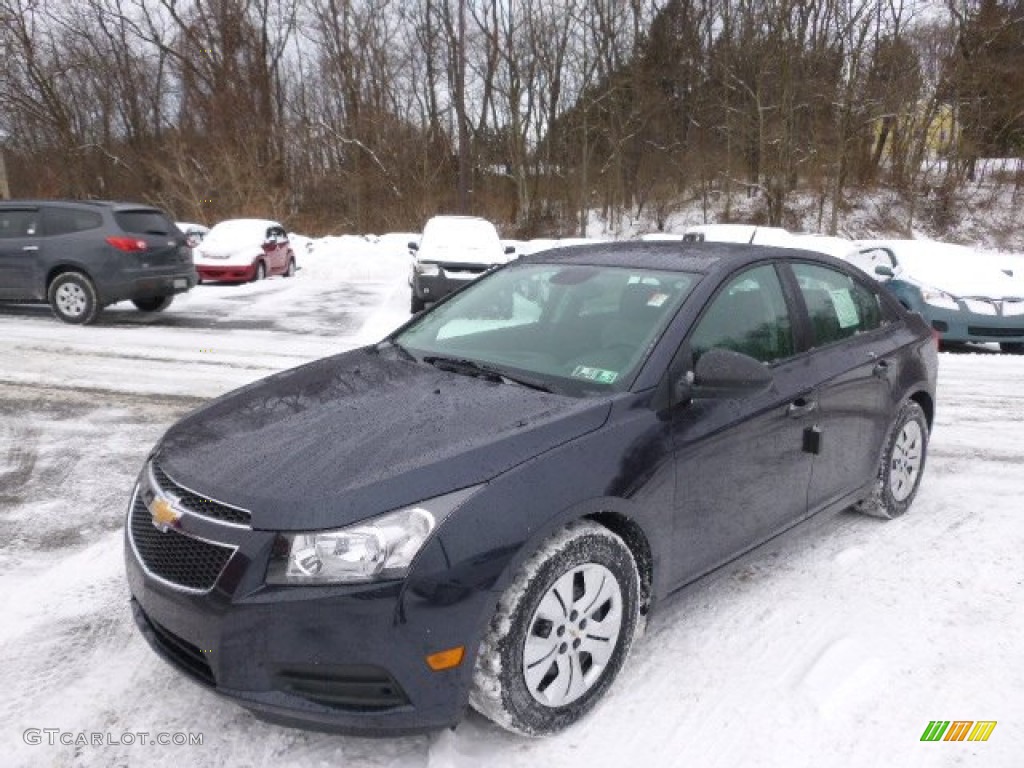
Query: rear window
x,y
64,221
145,221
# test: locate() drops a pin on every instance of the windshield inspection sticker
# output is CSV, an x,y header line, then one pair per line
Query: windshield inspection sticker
x,y
846,310
600,375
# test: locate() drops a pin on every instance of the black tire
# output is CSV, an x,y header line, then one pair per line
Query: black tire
x,y
290,270
73,298
416,304
261,272
1012,347
156,304
901,465
501,689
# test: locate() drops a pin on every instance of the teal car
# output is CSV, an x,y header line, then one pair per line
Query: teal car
x,y
965,295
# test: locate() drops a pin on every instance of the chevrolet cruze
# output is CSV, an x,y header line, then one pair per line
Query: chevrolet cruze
x,y
483,509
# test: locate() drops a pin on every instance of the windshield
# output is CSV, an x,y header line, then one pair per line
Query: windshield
x,y
570,328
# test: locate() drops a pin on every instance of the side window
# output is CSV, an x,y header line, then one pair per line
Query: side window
x,y
64,221
837,305
750,316
17,223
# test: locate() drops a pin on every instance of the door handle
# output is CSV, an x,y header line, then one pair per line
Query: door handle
x,y
801,407
30,248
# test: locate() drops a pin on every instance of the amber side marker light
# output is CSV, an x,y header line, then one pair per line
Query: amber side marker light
x,y
446,659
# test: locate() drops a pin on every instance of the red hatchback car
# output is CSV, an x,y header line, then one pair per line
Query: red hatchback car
x,y
243,250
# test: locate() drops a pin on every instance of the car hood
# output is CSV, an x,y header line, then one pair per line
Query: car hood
x,y
985,284
355,435
220,252
462,254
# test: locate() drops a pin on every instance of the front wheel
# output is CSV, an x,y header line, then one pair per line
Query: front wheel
x,y
73,298
261,271
901,466
560,634
155,304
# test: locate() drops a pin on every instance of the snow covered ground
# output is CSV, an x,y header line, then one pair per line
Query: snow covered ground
x,y
833,645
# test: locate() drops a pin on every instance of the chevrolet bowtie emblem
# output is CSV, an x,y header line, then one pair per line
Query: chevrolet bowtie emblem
x,y
165,516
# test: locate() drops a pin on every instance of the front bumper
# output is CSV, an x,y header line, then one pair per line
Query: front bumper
x,y
964,325
349,659
436,287
228,273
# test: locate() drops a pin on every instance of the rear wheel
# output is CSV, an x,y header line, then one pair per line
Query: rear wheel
x,y
561,632
901,466
156,304
291,268
73,298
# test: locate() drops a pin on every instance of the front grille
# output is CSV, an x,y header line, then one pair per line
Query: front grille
x,y
999,333
174,557
182,653
360,687
198,504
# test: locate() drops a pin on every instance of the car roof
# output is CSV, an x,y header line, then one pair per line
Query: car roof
x,y
112,204
701,257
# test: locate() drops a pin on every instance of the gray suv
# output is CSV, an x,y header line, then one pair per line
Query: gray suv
x,y
82,256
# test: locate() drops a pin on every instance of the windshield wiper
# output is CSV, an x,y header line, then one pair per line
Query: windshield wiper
x,y
483,371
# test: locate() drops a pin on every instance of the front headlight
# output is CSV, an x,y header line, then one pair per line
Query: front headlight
x,y
376,549
426,269
936,298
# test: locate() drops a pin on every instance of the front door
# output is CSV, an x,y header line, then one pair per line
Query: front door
x,y
742,470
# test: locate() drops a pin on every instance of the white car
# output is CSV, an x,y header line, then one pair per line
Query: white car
x,y
194,233
452,251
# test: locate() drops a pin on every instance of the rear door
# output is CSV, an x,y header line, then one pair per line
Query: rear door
x,y
20,245
854,344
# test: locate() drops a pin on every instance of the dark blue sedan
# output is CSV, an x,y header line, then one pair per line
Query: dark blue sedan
x,y
484,508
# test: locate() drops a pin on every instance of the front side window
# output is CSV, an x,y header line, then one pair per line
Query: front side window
x,y
750,316
837,305
576,328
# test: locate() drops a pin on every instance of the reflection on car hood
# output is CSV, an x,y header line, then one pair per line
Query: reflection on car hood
x,y
355,435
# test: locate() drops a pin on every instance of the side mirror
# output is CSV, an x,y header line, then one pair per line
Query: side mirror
x,y
722,372
509,250
413,245
884,271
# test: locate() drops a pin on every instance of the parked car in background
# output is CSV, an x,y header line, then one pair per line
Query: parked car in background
x,y
965,296
243,250
194,233
452,251
81,256
751,234
483,508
